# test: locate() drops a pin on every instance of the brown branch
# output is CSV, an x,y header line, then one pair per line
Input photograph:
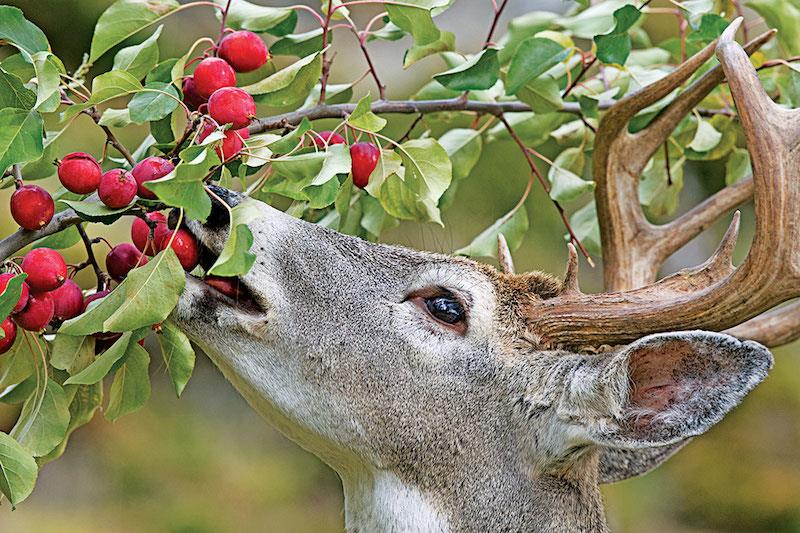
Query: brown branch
x,y
326,63
403,107
94,114
23,237
584,68
498,12
102,277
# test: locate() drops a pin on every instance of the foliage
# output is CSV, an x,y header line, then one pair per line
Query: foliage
x,y
547,79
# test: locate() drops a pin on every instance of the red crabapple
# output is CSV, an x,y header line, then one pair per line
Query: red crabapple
x,y
117,188
244,50
32,207
140,232
231,145
122,259
10,331
364,157
191,97
328,138
231,105
185,247
37,314
45,268
79,173
67,301
151,168
211,74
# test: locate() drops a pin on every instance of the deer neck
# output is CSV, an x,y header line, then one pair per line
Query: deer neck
x,y
380,500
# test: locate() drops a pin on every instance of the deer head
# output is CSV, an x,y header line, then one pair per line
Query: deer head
x,y
452,396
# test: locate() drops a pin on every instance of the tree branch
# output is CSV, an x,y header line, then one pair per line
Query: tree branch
x,y
403,107
23,237
102,277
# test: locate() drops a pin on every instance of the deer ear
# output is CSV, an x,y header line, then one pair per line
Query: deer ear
x,y
665,388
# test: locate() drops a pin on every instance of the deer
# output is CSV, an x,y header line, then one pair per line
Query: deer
x,y
453,396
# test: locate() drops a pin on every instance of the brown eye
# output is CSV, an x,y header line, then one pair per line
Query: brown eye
x,y
445,307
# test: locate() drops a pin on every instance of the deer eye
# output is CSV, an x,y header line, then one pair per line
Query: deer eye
x,y
445,307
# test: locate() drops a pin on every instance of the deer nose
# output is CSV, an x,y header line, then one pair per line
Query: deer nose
x,y
219,216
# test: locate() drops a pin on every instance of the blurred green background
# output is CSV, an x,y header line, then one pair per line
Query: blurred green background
x,y
207,462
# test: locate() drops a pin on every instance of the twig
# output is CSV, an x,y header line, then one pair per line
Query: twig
x,y
102,277
326,63
666,164
224,18
16,171
497,13
584,68
546,186
411,128
94,114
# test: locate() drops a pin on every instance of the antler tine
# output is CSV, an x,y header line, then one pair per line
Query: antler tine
x,y
707,297
570,285
633,248
504,255
617,117
659,130
773,328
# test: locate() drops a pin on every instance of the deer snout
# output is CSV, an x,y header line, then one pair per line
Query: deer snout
x,y
220,214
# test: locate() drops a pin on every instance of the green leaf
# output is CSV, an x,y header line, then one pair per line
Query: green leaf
x,y
418,22
783,15
464,147
94,211
299,44
738,166
61,240
375,219
139,60
534,57
10,295
389,163
659,193
46,420
18,363
147,296
155,102
183,187
178,355
124,18
586,228
106,87
613,48
86,399
130,389
246,16
235,259
512,225
339,13
705,138
72,354
289,85
289,142
564,176
15,28
364,119
43,167
14,94
20,137
18,470
711,27
162,71
542,94
48,70
102,365
479,73
116,118
521,28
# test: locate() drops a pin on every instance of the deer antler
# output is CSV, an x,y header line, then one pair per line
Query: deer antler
x,y
633,248
714,296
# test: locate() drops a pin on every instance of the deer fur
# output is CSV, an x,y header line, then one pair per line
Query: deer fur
x,y
431,430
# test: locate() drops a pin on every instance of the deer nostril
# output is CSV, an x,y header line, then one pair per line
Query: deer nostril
x,y
219,216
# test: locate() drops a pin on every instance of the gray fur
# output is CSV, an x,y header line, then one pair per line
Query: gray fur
x,y
430,430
